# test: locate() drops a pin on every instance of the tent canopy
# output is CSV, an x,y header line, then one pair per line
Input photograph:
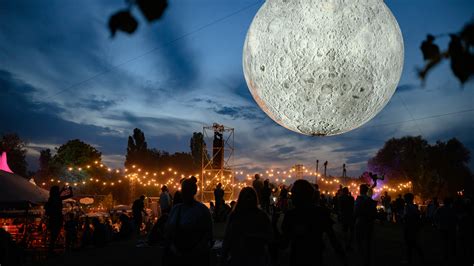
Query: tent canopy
x,y
15,189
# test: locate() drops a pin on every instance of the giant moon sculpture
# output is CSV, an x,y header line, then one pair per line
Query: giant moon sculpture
x,y
323,67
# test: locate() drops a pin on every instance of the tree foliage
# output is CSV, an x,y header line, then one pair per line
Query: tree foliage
x,y
459,52
45,170
76,152
15,148
140,155
137,150
197,145
435,170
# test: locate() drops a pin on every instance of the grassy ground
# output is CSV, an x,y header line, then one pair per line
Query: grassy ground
x,y
388,250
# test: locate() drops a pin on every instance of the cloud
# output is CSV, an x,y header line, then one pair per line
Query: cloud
x,y
43,123
406,87
70,80
96,103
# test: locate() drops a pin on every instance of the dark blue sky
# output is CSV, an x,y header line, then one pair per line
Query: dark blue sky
x,y
63,77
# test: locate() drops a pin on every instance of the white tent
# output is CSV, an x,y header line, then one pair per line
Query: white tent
x,y
16,189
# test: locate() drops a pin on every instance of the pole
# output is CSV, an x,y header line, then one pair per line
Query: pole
x,y
325,167
316,175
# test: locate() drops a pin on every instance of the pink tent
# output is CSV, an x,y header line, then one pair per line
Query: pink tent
x,y
17,189
14,188
4,163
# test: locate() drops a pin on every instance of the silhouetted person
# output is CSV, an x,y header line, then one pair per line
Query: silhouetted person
x,y
157,233
126,229
70,228
463,208
303,227
138,208
99,236
10,252
178,198
386,203
365,211
283,199
257,184
399,206
109,229
165,200
411,228
54,211
431,209
86,233
248,232
266,193
447,221
346,202
219,195
188,233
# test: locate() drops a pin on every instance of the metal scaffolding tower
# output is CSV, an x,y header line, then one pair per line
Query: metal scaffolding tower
x,y
217,161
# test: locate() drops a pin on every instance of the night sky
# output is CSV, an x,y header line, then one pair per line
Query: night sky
x,y
62,77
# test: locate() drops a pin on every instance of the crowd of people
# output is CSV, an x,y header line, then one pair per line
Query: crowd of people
x,y
82,231
260,224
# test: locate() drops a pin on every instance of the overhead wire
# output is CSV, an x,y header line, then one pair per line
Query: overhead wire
x,y
114,67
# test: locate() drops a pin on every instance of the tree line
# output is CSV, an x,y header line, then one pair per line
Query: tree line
x,y
438,169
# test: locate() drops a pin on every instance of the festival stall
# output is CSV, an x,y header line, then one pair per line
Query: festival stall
x,y
20,203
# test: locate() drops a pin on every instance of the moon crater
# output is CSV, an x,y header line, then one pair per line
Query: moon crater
x,y
323,67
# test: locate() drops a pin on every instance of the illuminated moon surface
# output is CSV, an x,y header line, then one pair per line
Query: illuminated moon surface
x,y
323,67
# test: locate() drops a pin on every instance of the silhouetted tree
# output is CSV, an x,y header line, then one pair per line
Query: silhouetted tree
x,y
405,159
435,170
45,170
138,152
197,145
14,146
77,153
448,161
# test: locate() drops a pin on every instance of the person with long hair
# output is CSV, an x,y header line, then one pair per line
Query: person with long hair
x,y
54,211
248,232
304,225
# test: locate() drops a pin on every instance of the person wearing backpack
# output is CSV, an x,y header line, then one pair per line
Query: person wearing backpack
x,y
188,230
365,211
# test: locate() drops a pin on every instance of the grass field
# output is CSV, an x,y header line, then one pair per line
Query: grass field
x,y
388,250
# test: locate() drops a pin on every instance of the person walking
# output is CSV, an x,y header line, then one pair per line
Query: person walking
x,y
347,217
